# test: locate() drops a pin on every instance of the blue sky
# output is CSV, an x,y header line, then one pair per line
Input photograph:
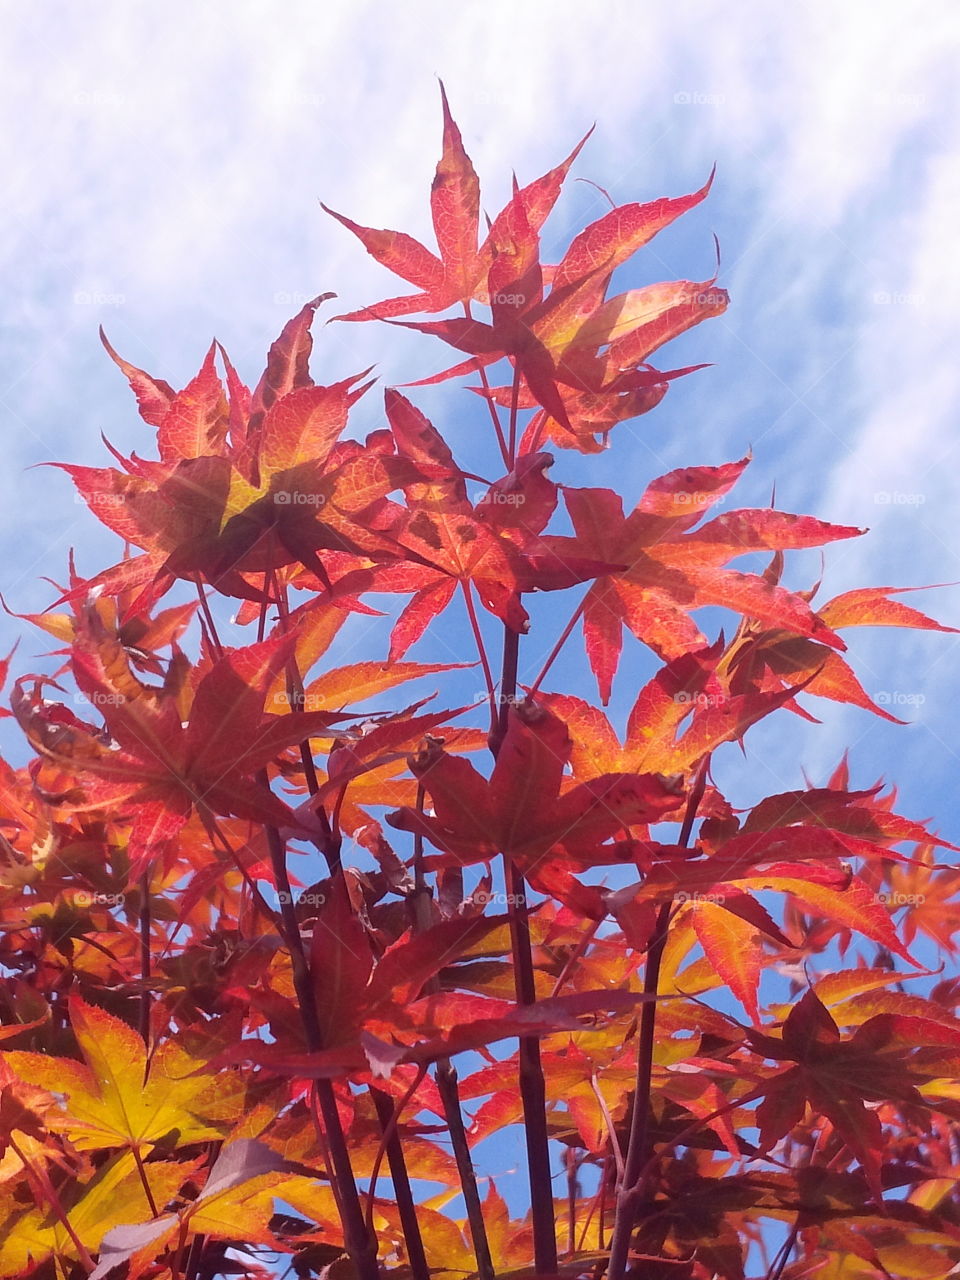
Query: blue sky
x,y
163,178
163,170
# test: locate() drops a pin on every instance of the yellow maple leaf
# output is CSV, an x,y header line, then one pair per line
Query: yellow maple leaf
x,y
111,1100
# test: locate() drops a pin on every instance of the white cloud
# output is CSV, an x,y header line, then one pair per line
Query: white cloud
x,y
163,169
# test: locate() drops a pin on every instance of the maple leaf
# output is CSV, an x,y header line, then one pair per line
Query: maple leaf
x,y
864,821
675,568
112,1195
601,360
764,658
436,1027
459,274
237,1201
112,1100
554,344
930,896
351,990
819,829
657,740
155,767
246,483
520,810
885,1059
456,543
554,340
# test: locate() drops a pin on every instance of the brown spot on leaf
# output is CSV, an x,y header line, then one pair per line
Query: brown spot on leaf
x,y
424,528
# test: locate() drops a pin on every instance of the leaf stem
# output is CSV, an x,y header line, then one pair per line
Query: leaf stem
x,y
389,1115
488,396
639,1139
481,650
138,1159
145,960
533,1090
514,405
194,1256
211,625
296,699
48,1192
555,651
359,1243
331,847
448,1086
784,1252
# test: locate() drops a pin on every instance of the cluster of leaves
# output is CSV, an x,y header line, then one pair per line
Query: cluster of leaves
x,y
209,1060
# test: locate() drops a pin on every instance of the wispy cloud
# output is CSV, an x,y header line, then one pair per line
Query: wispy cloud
x,y
163,169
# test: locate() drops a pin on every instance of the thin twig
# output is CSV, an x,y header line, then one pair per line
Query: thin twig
x,y
358,1241
138,1161
47,1192
330,843
145,960
488,396
389,1116
555,651
514,405
481,651
211,625
784,1252
331,846
637,1145
573,1189
533,1089
448,1086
